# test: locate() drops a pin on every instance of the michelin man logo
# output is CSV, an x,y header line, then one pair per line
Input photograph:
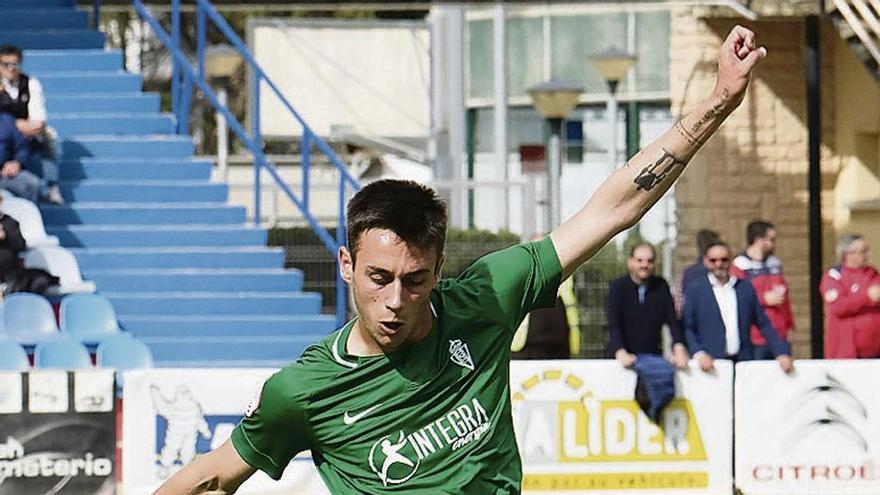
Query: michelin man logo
x,y
186,421
392,460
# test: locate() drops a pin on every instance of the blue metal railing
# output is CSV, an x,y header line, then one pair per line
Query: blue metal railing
x,y
185,78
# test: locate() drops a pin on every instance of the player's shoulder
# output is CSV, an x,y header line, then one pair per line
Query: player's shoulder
x,y
317,363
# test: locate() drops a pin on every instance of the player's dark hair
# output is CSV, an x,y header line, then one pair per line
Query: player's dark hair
x,y
757,229
705,237
632,251
11,50
412,211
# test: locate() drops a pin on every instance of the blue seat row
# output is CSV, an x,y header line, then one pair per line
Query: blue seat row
x,y
120,351
29,319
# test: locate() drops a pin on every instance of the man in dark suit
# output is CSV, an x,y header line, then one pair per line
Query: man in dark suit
x,y
719,310
639,304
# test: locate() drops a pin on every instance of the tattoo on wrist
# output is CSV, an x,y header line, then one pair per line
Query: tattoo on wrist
x,y
654,173
712,113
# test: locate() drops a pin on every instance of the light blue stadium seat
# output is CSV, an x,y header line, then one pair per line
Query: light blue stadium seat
x,y
124,352
59,261
12,356
88,318
29,318
62,353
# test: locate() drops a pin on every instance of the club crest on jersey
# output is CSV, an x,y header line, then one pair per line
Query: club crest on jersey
x,y
460,355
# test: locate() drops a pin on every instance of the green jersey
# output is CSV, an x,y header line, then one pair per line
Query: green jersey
x,y
433,417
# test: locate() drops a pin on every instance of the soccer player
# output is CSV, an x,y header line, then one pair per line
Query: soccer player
x,y
413,395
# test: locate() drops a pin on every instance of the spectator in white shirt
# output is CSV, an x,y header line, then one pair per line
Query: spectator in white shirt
x,y
22,97
719,310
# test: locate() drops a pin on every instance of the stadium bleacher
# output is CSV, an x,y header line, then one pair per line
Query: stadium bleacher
x,y
144,222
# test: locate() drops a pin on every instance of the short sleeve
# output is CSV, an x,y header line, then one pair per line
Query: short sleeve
x,y
276,428
504,286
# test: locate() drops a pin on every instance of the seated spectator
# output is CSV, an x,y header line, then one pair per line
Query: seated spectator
x,y
14,151
11,244
14,277
22,97
763,269
720,309
697,270
639,304
851,291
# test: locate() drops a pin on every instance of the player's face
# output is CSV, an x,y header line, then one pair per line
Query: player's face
x,y
641,264
391,282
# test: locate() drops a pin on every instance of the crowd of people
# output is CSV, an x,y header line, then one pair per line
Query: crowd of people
x,y
28,167
724,306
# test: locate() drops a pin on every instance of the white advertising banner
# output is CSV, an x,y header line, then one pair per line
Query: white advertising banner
x,y
815,431
580,431
171,415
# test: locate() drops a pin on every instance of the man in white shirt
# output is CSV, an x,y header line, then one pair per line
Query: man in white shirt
x,y
719,310
22,96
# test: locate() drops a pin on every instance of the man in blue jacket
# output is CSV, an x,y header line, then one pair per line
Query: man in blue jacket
x,y
719,310
14,152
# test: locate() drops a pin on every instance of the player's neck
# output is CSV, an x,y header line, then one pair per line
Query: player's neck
x,y
361,343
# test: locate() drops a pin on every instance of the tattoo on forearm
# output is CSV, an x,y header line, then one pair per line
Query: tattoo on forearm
x,y
713,112
656,172
690,138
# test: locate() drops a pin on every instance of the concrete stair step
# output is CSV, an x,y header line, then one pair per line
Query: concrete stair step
x,y
42,18
241,351
178,257
42,3
142,213
153,146
57,102
110,191
214,303
52,39
72,124
121,169
189,235
196,279
90,82
228,325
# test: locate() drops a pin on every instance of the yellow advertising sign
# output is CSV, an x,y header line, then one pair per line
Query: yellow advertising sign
x,y
579,430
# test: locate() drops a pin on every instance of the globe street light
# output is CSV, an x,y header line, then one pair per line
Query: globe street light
x,y
554,100
612,64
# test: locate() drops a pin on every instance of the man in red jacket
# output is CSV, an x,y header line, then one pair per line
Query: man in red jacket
x,y
763,269
851,292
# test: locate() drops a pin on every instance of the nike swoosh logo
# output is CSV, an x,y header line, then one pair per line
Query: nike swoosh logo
x,y
349,419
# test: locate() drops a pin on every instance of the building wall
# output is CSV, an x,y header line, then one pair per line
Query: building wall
x,y
857,145
756,165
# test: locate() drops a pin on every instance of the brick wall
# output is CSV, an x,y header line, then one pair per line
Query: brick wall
x,y
756,165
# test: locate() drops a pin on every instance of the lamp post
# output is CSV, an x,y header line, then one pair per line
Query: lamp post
x,y
554,100
612,64
221,63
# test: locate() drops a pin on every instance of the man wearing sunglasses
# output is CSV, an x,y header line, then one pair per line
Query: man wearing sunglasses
x,y
719,310
21,96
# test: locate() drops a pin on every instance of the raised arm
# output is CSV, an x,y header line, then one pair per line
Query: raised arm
x,y
631,190
219,472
